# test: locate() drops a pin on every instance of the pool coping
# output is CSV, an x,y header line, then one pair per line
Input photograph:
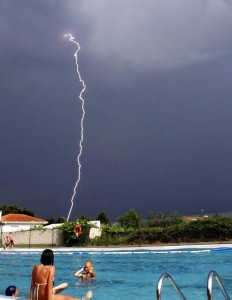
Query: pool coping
x,y
114,249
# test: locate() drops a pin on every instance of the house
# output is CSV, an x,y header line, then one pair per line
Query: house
x,y
194,218
96,230
18,222
52,226
96,223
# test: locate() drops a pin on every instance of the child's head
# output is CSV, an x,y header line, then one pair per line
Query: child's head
x,y
11,291
88,265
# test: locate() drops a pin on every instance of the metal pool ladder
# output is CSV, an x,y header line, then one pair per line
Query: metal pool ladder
x,y
212,274
210,285
160,283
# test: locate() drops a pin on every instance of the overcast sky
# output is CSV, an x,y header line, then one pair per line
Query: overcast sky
x,y
158,109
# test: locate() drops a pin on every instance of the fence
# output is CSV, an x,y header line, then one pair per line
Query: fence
x,y
36,237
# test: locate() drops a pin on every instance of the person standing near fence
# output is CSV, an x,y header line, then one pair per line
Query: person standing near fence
x,y
11,240
8,244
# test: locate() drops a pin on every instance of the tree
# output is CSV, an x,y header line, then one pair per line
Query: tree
x,y
13,209
28,212
164,220
61,220
130,219
51,220
84,219
102,217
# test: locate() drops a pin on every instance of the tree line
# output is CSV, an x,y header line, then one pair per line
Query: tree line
x,y
158,228
131,229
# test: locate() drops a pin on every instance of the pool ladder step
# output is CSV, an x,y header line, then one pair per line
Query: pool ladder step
x,y
212,274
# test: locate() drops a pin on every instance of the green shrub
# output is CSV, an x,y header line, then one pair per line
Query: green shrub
x,y
202,230
69,236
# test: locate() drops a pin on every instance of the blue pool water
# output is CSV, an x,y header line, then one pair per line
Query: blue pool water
x,y
126,274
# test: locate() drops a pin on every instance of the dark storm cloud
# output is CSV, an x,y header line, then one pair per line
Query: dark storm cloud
x,y
158,109
162,33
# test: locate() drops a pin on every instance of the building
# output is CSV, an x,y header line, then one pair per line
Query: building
x,y
95,231
18,222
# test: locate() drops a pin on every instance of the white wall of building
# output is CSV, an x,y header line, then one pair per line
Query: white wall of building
x,y
95,232
96,223
17,227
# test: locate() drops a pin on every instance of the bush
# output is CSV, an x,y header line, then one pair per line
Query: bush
x,y
111,235
202,230
70,237
163,220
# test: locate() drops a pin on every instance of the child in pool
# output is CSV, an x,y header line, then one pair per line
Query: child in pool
x,y
87,272
12,291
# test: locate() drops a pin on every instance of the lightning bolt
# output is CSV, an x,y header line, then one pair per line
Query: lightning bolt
x,y
72,39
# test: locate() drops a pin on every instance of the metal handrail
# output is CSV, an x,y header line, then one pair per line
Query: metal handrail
x,y
160,283
210,285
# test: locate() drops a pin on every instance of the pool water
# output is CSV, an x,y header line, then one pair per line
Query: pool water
x,y
126,274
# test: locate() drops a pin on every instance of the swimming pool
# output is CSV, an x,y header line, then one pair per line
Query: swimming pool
x,y
126,274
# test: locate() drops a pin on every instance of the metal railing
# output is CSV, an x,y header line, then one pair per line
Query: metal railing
x,y
160,283
210,285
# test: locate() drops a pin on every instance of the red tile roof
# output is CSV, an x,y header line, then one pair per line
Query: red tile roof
x,y
191,218
21,218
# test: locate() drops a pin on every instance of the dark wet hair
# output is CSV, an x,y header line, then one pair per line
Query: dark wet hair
x,y
10,290
47,257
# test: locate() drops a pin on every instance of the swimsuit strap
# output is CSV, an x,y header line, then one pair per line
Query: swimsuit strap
x,y
37,289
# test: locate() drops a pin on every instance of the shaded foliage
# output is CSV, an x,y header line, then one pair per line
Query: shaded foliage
x,y
212,229
163,220
202,230
130,219
56,221
13,209
102,217
70,238
111,236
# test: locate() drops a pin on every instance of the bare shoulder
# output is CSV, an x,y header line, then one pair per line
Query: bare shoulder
x,y
35,270
47,268
37,267
51,269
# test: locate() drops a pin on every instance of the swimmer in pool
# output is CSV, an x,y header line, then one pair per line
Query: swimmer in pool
x,y
12,291
86,273
43,279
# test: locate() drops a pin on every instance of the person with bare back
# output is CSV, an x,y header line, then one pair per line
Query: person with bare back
x,y
43,279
